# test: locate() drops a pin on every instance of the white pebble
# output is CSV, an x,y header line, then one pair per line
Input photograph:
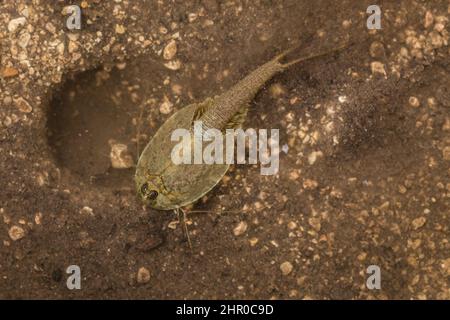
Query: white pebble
x,y
166,107
119,155
312,158
342,99
286,268
414,102
16,233
173,65
240,228
14,24
170,50
377,68
143,275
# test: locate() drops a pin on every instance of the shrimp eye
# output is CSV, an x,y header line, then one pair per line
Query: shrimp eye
x,y
149,194
152,195
144,188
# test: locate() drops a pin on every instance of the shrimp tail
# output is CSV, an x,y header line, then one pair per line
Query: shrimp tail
x,y
286,65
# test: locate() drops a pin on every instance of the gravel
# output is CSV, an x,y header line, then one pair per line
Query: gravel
x,y
143,275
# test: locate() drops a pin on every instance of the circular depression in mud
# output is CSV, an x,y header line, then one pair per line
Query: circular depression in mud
x,y
98,122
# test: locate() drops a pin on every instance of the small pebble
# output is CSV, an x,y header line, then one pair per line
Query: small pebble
x,y
23,105
377,68
439,27
414,102
431,102
419,223
87,211
14,24
446,153
429,19
173,224
277,90
346,24
240,229
120,29
166,107
310,184
292,225
9,72
7,101
177,89
286,268
402,189
173,65
16,233
436,40
253,241
38,218
362,256
50,27
312,158
377,50
294,175
24,39
446,266
192,17
170,50
120,156
342,99
143,275
315,223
